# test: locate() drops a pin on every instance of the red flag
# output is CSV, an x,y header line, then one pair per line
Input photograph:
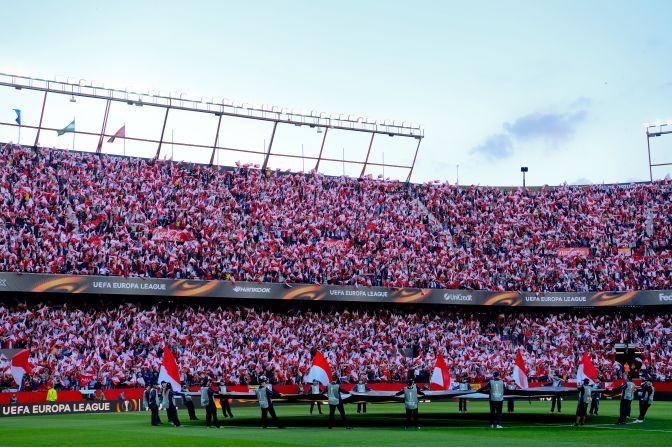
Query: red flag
x,y
440,375
586,370
121,133
520,371
319,371
20,366
168,372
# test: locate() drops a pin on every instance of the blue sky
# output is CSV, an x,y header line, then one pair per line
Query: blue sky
x,y
563,87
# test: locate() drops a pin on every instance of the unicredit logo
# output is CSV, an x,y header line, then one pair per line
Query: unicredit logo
x,y
456,297
243,289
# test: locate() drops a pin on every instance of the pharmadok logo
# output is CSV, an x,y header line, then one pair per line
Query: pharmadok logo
x,y
665,297
247,289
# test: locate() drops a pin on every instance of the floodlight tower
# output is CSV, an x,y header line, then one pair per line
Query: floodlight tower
x,y
653,134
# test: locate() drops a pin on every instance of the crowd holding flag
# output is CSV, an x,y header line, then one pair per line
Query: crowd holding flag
x,y
319,371
586,370
520,371
19,366
440,374
169,372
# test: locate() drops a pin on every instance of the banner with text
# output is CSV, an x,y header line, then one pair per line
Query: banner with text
x,y
51,408
110,285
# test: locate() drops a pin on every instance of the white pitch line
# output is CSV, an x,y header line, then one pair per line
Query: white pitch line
x,y
639,428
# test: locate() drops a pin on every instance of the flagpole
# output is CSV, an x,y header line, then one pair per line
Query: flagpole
x,y
124,139
19,142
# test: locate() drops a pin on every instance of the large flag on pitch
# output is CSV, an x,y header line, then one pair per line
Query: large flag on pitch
x,y
519,371
441,375
320,370
19,366
69,128
121,133
586,370
168,372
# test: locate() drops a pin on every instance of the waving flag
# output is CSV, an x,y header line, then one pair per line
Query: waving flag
x,y
586,370
121,133
168,372
440,375
519,371
18,116
69,128
19,366
320,370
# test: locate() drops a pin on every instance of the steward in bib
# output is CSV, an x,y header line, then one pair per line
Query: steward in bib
x,y
582,407
628,390
265,395
315,390
334,391
208,401
495,388
361,387
411,395
646,392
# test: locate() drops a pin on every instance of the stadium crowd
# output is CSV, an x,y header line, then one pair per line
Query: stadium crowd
x,y
81,213
122,345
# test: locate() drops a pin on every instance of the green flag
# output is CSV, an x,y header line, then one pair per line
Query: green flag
x,y
69,128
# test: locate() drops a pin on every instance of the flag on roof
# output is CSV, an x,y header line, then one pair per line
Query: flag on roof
x,y
69,128
121,133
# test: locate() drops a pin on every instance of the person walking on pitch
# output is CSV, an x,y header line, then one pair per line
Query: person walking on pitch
x,y
224,403
495,389
411,395
314,391
265,395
151,401
169,404
596,396
628,390
208,401
361,387
463,386
189,403
334,391
583,399
646,392
556,382
510,402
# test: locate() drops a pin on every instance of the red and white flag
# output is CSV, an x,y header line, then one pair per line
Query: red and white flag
x,y
19,366
586,370
320,370
441,375
520,372
168,372
121,133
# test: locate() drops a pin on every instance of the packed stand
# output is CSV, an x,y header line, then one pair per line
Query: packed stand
x,y
123,345
80,213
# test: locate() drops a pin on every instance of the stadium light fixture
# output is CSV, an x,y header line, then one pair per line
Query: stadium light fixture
x,y
524,170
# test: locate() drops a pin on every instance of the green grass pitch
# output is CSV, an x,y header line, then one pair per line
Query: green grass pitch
x,y
383,425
